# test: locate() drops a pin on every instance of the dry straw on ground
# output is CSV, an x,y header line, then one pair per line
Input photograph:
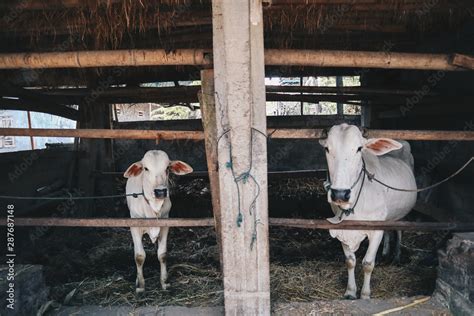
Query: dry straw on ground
x,y
305,266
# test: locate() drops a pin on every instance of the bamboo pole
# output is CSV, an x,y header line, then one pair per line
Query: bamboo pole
x,y
358,59
84,59
202,57
209,222
283,133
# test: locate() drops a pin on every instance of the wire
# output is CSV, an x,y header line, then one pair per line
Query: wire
x,y
244,178
53,198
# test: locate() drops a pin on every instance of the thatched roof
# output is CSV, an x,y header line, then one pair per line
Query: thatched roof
x,y
42,25
63,25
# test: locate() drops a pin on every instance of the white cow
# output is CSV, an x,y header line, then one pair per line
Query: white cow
x,y
150,177
354,196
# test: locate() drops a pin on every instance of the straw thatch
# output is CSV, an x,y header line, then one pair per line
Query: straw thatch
x,y
177,23
95,267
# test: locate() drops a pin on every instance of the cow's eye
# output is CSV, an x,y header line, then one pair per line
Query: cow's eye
x,y
327,149
146,169
359,149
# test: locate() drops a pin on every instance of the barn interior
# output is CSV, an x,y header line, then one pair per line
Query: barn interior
x,y
95,266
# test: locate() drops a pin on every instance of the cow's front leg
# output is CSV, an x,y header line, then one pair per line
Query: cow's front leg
x,y
375,238
351,291
140,256
162,241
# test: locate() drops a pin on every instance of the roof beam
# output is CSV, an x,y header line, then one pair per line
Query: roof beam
x,y
202,57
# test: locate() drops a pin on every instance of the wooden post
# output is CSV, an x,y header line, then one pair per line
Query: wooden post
x,y
95,154
242,154
340,106
301,102
208,109
29,126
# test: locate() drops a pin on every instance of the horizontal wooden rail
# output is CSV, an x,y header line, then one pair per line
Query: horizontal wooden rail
x,y
373,225
373,133
207,222
103,133
111,222
282,133
273,174
203,57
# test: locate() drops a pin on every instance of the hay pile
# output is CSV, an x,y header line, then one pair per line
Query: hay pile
x,y
96,267
310,266
107,276
299,188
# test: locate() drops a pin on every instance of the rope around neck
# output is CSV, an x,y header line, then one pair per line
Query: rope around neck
x,y
350,210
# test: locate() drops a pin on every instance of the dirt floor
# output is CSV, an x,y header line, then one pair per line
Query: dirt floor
x,y
336,307
95,267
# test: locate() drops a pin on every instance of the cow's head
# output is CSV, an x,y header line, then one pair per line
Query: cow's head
x,y
154,169
345,145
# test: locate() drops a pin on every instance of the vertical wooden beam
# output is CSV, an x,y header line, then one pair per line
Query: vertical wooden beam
x,y
242,154
32,141
301,103
340,106
208,109
95,154
366,111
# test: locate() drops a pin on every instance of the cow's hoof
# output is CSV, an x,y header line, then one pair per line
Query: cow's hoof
x,y
165,286
349,297
140,290
365,297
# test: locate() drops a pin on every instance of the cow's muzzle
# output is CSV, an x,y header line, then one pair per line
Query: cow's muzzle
x,y
161,193
340,195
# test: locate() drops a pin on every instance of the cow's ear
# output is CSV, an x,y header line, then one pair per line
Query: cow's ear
x,y
180,167
323,142
381,146
134,170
